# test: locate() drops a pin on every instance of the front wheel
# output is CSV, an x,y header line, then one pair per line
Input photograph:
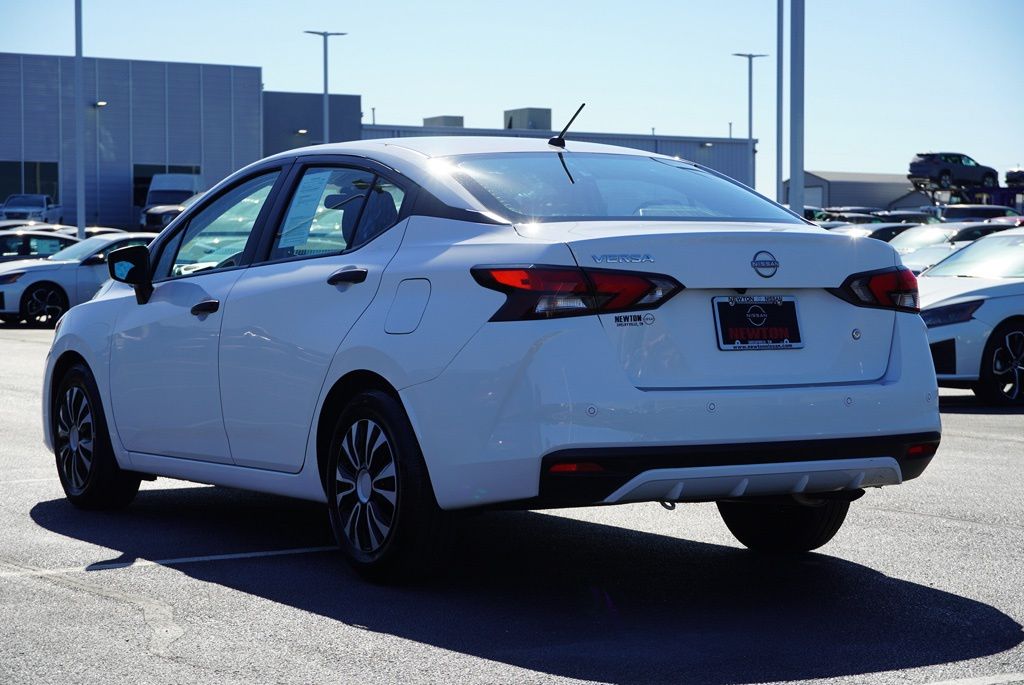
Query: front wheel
x,y
945,180
86,465
989,181
1001,380
381,503
783,527
43,304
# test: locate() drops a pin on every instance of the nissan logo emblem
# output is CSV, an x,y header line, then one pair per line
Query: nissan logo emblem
x,y
765,264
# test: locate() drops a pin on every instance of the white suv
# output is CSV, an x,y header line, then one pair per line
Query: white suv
x,y
411,327
33,208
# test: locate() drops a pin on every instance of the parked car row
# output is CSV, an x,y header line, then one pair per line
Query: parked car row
x,y
31,207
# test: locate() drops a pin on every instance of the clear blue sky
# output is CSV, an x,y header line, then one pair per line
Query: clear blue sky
x,y
885,78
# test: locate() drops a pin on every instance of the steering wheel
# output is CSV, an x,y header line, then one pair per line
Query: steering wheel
x,y
230,261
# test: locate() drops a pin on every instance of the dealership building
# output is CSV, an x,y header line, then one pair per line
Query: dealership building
x,y
144,118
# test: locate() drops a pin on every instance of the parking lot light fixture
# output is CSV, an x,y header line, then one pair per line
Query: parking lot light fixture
x,y
302,131
327,107
750,57
100,103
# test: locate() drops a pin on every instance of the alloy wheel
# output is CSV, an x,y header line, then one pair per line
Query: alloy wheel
x,y
367,486
44,305
75,438
1008,366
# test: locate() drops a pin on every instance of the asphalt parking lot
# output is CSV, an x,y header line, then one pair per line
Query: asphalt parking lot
x,y
924,583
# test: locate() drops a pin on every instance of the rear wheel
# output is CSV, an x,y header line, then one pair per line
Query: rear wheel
x,y
783,527
382,507
945,180
86,465
1001,380
989,181
43,304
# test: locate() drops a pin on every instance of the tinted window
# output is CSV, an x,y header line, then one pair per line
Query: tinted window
x,y
217,235
592,186
45,247
10,245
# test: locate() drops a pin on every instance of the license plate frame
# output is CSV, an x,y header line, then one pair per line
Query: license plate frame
x,y
779,324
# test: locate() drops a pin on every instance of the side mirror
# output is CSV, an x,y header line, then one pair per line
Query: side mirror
x,y
131,265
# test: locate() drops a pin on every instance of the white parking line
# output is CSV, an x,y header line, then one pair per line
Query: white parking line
x,y
29,480
139,563
986,680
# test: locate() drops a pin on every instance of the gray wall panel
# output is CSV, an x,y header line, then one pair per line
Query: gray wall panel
x,y
113,154
10,113
248,115
184,115
42,121
217,153
149,113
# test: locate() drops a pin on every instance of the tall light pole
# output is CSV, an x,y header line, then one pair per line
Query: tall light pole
x,y
796,107
750,57
778,100
327,106
79,126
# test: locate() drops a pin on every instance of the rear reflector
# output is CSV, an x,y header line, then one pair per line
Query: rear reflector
x,y
893,288
926,449
544,292
576,467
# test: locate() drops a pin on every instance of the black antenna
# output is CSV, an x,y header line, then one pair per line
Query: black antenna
x,y
559,140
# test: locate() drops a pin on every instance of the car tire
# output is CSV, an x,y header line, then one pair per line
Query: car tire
x,y
783,527
1001,377
43,304
945,180
989,181
86,465
381,503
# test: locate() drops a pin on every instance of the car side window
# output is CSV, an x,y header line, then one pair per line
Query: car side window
x,y
10,245
323,213
383,207
969,162
216,236
44,247
123,243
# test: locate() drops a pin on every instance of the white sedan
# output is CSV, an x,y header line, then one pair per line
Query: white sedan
x,y
401,329
973,305
41,290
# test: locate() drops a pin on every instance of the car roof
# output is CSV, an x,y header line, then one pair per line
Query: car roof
x,y
976,207
40,234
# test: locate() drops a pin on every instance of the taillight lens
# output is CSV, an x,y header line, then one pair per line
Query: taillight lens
x,y
544,292
894,288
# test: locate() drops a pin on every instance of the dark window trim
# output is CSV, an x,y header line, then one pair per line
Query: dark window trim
x,y
376,169
282,167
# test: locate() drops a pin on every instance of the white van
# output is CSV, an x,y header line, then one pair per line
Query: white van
x,y
169,189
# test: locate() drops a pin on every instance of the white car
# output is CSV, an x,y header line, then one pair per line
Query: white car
x,y
407,328
973,305
32,207
41,290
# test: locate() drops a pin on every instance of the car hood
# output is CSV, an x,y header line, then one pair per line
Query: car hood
x,y
944,290
34,265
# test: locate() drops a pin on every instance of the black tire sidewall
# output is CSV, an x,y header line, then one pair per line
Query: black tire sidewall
x,y
416,508
36,288
106,485
987,388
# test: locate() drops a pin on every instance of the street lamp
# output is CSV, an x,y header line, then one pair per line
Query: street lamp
x,y
327,107
750,57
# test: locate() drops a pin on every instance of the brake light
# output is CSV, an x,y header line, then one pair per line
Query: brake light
x,y
925,449
894,288
544,292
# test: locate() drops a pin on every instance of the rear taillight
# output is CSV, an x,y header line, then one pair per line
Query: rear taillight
x,y
893,288
544,292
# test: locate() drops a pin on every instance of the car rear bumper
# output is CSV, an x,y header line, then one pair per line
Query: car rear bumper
x,y
511,401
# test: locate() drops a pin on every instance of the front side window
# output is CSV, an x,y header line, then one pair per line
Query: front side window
x,y
969,162
46,246
217,235
10,245
335,209
548,186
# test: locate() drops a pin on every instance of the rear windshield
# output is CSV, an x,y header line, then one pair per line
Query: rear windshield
x,y
922,236
997,256
574,186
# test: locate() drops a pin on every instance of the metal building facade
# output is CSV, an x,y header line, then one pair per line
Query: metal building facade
x,y
141,118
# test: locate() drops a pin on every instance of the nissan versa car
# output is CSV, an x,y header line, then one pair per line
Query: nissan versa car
x,y
408,328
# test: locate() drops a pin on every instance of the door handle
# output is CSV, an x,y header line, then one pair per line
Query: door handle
x,y
205,307
347,275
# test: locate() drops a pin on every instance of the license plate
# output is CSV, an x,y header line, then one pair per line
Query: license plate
x,y
757,322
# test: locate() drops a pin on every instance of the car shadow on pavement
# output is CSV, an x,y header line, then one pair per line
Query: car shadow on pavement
x,y
565,597
969,404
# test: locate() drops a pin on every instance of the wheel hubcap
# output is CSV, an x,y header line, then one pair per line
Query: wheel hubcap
x,y
75,438
366,486
1008,365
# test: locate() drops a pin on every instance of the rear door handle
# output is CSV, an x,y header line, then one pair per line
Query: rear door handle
x,y
205,307
347,275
